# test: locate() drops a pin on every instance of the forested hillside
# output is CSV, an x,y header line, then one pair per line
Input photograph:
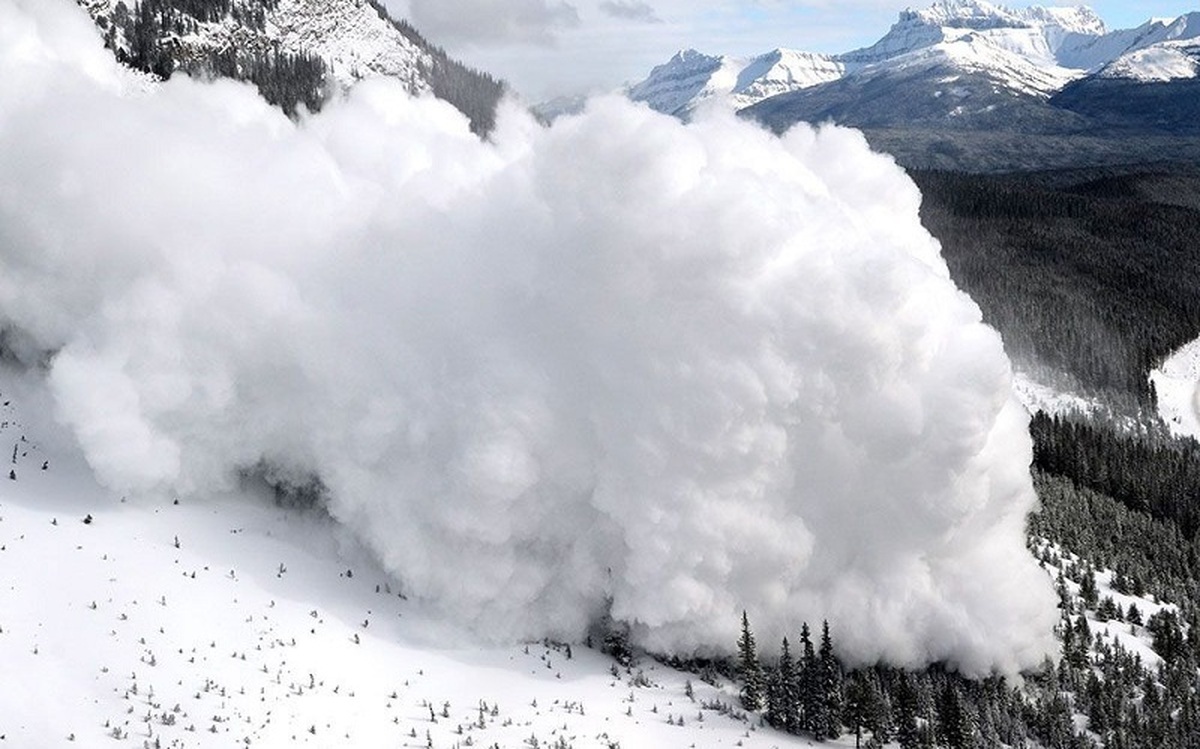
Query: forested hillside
x,y
1091,274
1125,581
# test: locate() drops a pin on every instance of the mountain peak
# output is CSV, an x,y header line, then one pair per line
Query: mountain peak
x,y
961,13
983,15
692,56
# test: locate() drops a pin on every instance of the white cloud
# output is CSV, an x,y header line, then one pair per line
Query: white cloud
x,y
629,10
492,22
688,369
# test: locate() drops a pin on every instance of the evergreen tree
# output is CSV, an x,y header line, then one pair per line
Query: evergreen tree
x,y
857,708
954,724
1087,589
749,669
879,712
907,730
782,701
826,724
808,692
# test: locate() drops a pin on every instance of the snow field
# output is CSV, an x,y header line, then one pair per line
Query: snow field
x,y
233,622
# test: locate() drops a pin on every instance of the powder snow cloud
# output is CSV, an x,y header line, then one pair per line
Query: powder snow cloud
x,y
620,363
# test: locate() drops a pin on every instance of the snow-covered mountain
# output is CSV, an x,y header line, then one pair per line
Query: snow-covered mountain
x,y
1029,52
296,51
350,36
691,77
1164,50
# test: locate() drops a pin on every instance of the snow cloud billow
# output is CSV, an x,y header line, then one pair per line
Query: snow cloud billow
x,y
620,363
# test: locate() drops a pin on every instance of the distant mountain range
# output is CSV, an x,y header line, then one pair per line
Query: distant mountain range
x,y
1055,75
295,51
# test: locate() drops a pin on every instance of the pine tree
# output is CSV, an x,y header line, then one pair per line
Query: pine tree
x,y
749,669
879,713
807,691
782,698
1087,589
907,732
954,724
827,723
857,709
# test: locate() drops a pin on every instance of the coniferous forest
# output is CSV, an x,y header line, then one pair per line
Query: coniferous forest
x,y
1091,274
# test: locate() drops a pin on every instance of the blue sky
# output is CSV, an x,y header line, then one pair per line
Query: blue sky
x,y
546,48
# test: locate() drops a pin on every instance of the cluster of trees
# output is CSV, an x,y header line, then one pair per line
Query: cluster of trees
x,y
1147,470
1081,273
1149,556
801,695
814,695
1128,703
285,80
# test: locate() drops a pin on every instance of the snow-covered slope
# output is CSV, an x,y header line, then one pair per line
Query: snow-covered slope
x,y
350,36
1036,395
232,621
1166,61
687,79
1177,384
1164,50
1036,33
783,70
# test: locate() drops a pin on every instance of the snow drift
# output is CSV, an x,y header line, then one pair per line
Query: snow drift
x,y
618,364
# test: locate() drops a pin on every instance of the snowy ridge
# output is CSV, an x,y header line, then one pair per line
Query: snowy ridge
x,y
1165,50
351,36
783,70
687,78
691,77
1163,62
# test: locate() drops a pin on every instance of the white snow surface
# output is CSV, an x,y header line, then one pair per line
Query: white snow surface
x,y
1135,639
1039,396
1177,383
1166,61
226,620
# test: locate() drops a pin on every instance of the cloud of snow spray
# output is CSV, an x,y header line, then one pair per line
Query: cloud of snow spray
x,y
678,370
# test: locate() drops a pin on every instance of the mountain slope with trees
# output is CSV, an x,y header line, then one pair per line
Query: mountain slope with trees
x,y
297,52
